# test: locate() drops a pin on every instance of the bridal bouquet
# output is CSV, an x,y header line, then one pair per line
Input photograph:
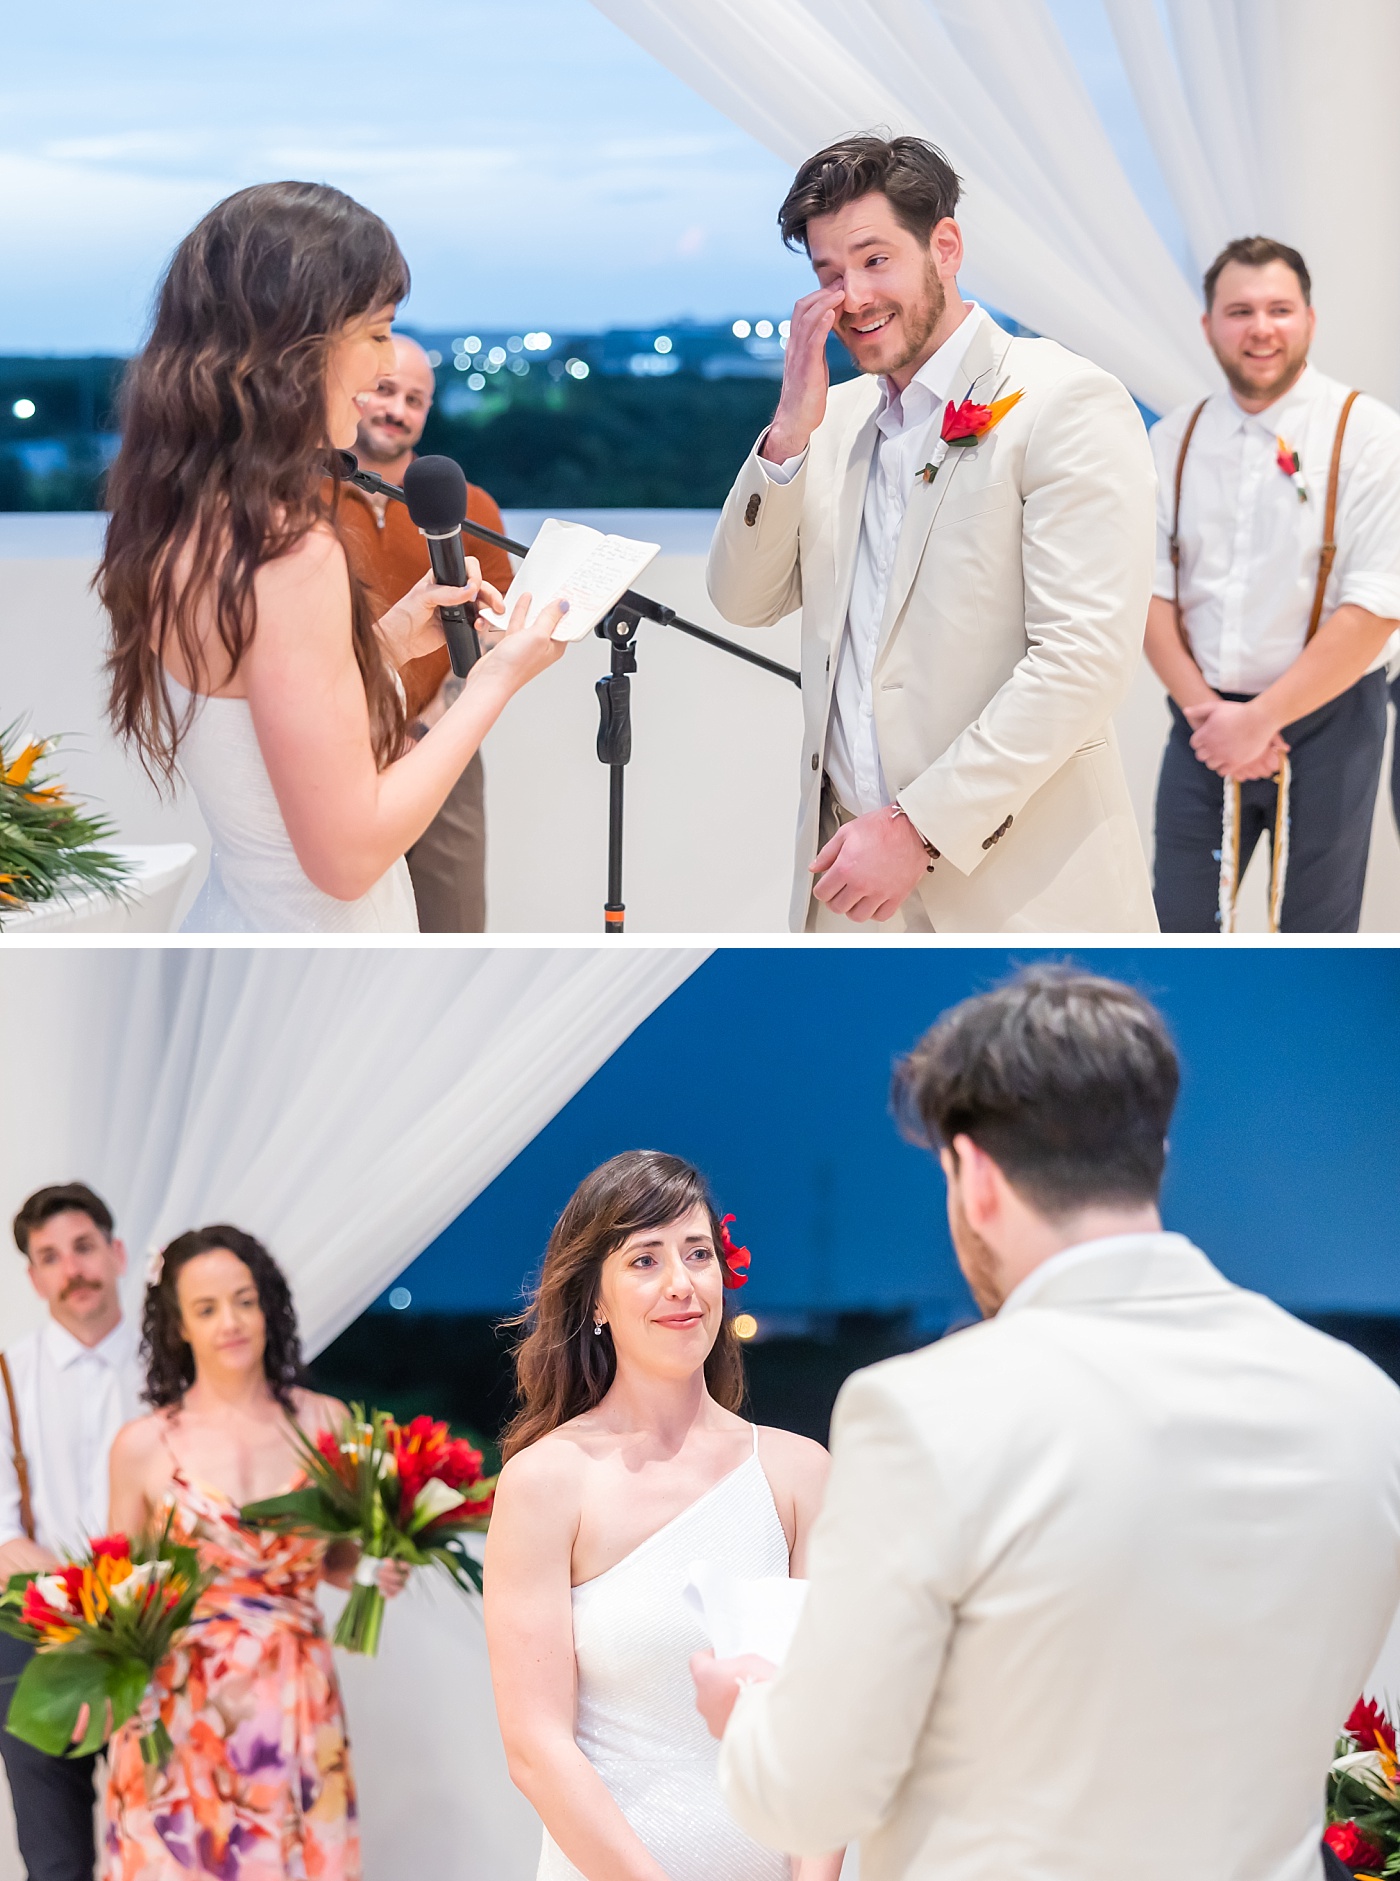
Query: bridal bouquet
x,y
404,1492
100,1626
1363,1794
48,845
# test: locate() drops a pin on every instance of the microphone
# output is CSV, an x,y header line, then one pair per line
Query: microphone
x,y
435,489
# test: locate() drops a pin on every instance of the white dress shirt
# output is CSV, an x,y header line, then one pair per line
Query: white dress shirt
x,y
72,1401
908,425
1250,546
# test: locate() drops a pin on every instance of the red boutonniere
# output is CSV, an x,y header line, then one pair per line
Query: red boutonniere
x,y
736,1259
966,424
1291,465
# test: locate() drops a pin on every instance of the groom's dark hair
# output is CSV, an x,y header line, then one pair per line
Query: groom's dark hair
x,y
920,184
1067,1081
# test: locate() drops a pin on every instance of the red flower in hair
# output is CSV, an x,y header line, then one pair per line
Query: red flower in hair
x,y
1370,1727
736,1259
1348,1844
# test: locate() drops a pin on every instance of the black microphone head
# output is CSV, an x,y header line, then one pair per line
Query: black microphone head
x,y
349,463
435,489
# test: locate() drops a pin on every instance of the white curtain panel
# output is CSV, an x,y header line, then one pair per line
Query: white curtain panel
x,y
343,1105
1273,116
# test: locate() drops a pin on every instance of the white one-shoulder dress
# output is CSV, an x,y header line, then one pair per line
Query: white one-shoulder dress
x,y
637,1724
255,883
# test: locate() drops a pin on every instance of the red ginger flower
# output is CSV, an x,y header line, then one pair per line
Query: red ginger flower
x,y
736,1259
1348,1844
1370,1727
963,421
115,1546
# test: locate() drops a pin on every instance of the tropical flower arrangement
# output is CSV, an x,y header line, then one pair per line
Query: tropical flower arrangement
x,y
965,425
49,846
1363,1794
100,1626
404,1492
1291,465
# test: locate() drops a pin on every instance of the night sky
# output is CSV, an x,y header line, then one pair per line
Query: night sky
x,y
770,1068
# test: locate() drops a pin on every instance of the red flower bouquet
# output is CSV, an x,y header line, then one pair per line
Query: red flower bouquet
x,y
404,1492
100,1627
1363,1794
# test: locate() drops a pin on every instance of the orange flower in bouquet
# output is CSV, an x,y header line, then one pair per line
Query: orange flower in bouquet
x,y
404,1492
100,1626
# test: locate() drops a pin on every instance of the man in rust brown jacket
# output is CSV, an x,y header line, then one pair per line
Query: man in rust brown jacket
x,y
448,862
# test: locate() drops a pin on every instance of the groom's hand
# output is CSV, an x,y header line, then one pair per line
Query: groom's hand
x,y
717,1683
871,865
806,381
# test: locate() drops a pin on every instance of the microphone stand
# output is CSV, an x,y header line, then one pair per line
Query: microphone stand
x,y
619,628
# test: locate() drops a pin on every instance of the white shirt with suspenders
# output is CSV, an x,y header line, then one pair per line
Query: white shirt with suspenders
x,y
61,1405
1256,556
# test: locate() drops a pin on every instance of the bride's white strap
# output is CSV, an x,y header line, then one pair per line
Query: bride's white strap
x,y
755,1439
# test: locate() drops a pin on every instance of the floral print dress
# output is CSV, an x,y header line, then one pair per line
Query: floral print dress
x,y
259,1786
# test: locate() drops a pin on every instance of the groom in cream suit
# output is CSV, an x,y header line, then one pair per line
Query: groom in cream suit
x,y
972,609
1096,1583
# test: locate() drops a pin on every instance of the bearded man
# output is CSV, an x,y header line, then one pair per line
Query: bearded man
x,y
1274,611
967,528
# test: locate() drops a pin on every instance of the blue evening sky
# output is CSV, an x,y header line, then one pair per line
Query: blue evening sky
x,y
539,168
771,1068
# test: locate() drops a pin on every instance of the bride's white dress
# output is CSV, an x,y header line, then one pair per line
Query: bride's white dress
x,y
255,883
637,1723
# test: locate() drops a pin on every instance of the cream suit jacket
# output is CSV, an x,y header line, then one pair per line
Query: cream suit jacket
x,y
1093,1588
1012,627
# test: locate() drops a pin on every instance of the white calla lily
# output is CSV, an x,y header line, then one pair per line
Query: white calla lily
x,y
435,1498
54,1589
131,1591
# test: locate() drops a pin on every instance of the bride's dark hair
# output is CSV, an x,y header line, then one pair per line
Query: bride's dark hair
x,y
225,446
561,1368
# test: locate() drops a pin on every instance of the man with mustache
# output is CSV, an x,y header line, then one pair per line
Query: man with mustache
x,y
448,862
967,528
67,1390
1274,656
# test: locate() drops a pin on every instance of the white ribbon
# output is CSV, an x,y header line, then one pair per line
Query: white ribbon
x,y
367,1570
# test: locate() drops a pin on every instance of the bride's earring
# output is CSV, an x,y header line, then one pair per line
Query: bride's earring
x,y
597,1329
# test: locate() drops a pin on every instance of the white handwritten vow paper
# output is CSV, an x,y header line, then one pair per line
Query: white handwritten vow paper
x,y
571,562
741,1616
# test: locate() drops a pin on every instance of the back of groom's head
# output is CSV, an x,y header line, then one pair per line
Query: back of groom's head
x,y
1067,1081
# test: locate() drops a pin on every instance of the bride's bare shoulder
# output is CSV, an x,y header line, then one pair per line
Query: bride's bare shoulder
x,y
796,1462
543,1481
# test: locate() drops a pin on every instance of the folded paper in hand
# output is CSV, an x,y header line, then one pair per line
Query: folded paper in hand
x,y
569,561
742,1616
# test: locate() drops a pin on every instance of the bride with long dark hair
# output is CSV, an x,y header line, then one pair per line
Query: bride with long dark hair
x,y
242,645
629,1460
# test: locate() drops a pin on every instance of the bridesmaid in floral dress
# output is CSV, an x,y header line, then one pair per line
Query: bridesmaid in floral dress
x,y
259,1787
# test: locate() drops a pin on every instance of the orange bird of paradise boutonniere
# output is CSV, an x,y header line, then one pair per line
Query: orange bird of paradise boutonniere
x,y
1291,465
966,424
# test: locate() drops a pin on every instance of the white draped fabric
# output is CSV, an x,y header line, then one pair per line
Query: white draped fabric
x,y
1272,116
342,1104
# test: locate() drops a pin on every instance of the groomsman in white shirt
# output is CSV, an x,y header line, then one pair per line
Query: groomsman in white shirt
x,y
1272,645
68,1388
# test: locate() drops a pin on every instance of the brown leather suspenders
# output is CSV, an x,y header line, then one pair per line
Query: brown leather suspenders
x,y
26,1505
1191,424
1329,521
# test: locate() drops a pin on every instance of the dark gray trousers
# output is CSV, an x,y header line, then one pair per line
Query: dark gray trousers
x,y
52,1796
1335,755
